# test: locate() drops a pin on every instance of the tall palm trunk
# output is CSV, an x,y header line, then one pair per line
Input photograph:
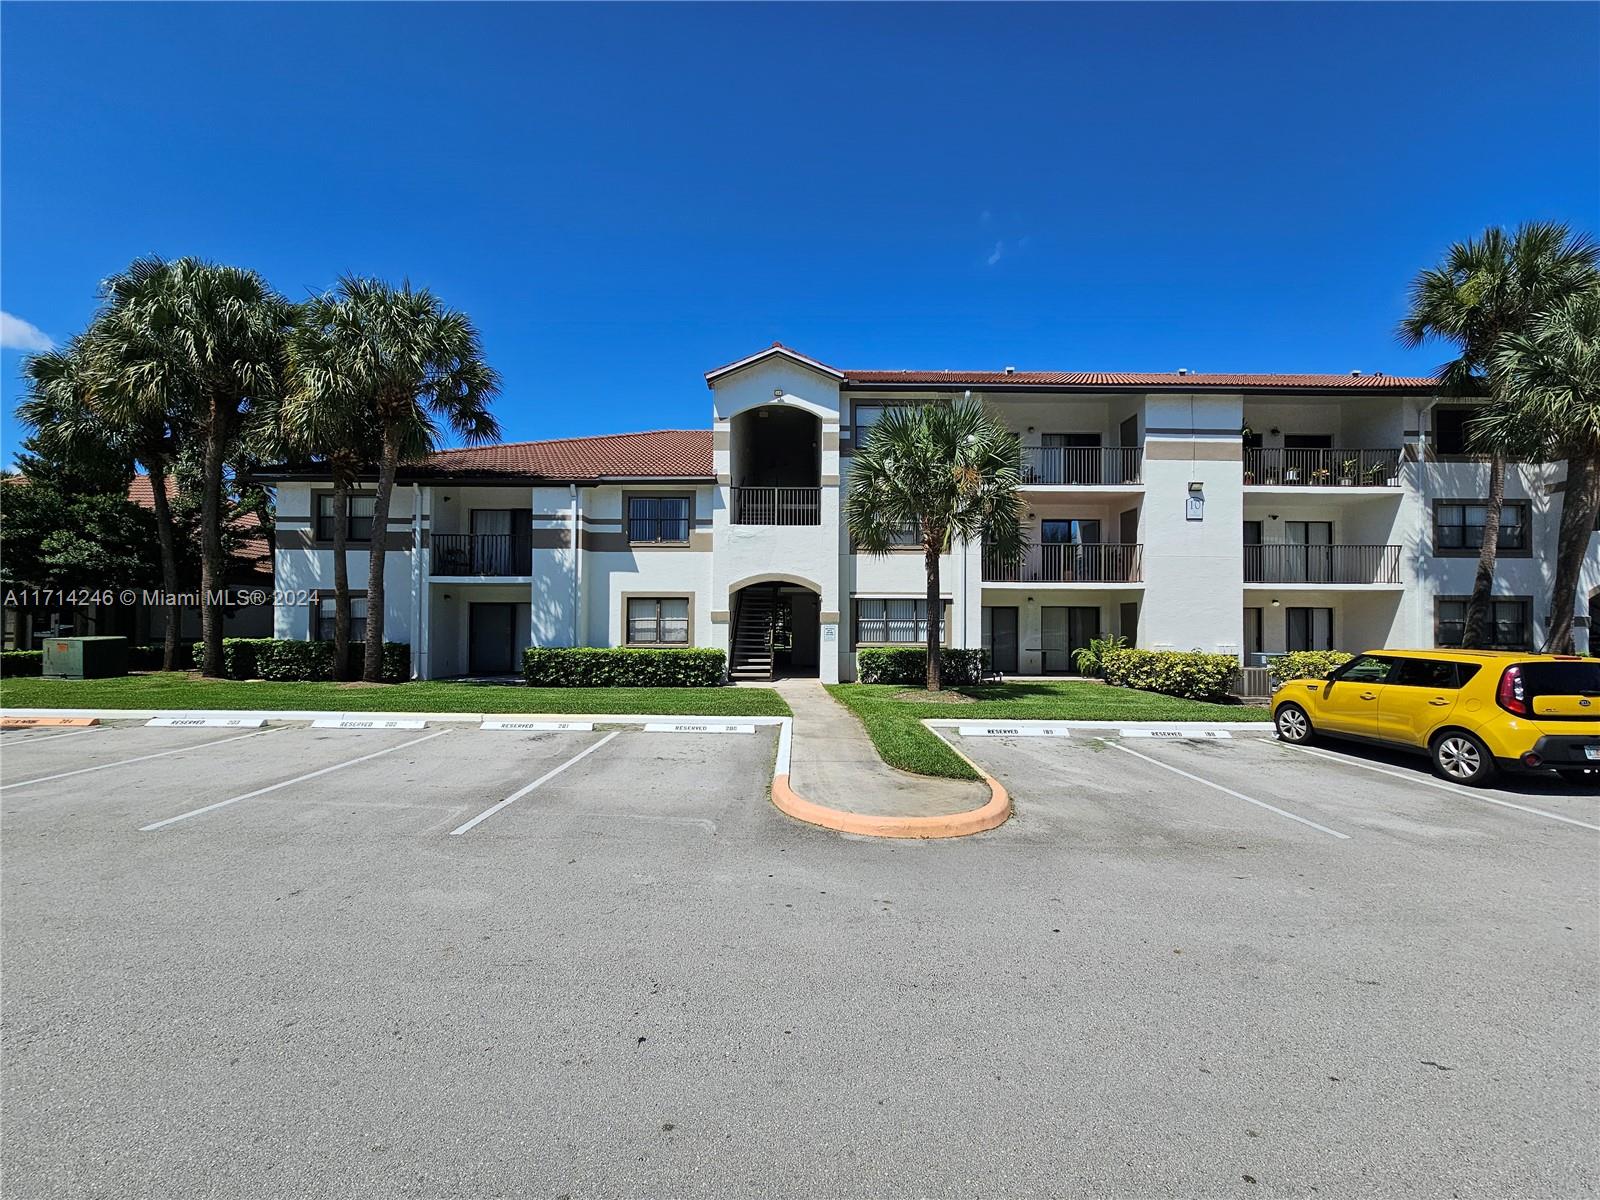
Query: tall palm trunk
x,y
388,465
167,547
1475,631
341,575
211,564
1580,501
930,554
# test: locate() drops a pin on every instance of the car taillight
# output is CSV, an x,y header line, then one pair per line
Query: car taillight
x,y
1510,694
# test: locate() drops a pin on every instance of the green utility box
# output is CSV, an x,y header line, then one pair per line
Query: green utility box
x,y
85,657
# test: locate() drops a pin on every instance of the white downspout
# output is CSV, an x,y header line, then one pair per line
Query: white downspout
x,y
577,566
419,581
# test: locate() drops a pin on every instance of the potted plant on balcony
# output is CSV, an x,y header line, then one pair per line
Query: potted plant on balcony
x,y
1319,476
1347,472
1376,475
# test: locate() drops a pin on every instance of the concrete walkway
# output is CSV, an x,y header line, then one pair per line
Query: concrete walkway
x,y
832,762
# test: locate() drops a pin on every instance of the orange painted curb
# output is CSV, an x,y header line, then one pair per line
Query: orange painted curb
x,y
43,722
960,824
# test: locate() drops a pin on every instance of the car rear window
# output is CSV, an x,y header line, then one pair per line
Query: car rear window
x,y
1560,678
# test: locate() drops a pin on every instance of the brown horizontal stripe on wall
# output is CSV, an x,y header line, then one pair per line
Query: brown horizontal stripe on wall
x,y
720,616
551,539
724,480
830,440
828,618
618,543
1202,451
721,439
830,481
397,542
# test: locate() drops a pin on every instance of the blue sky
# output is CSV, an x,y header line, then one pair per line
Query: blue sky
x,y
624,197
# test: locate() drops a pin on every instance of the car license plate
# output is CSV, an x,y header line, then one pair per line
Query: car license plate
x,y
1592,753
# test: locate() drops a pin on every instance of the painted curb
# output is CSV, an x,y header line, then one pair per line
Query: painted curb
x,y
963,824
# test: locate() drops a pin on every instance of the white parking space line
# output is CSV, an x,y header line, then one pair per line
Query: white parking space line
x,y
141,758
1229,791
195,812
523,791
1465,793
49,737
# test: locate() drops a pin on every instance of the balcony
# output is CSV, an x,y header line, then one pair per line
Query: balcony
x,y
1322,468
777,505
1289,564
1081,466
490,554
1096,562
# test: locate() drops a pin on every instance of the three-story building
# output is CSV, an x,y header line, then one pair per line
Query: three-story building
x,y
1245,514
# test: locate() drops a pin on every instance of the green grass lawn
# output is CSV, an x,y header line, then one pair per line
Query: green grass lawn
x,y
179,690
902,741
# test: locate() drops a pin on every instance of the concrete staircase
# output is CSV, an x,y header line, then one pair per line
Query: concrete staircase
x,y
751,654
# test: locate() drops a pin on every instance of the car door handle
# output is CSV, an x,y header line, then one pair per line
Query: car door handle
x,y
1438,702
1369,695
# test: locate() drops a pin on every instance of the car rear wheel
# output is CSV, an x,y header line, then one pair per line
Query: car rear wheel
x,y
1293,725
1462,758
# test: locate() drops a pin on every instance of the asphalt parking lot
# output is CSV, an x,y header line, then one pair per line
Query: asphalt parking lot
x,y
298,962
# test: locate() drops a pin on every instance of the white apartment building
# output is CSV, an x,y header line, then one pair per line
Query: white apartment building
x,y
1246,514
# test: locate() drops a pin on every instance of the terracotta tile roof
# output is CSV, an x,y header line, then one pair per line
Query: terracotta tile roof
x,y
1168,379
252,553
661,453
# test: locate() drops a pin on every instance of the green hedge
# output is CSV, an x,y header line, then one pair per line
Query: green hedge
x,y
555,666
1191,674
21,662
286,660
1307,664
908,665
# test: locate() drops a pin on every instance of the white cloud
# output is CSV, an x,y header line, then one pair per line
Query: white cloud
x,y
17,334
996,254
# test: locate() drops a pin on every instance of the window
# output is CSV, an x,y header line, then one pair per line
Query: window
x,y
658,620
1426,673
868,415
896,622
1458,527
1309,629
360,523
658,518
1508,622
1450,430
358,618
1364,669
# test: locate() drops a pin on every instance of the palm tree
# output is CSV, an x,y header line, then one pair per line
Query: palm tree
x,y
67,405
206,340
947,472
1484,289
323,416
395,364
1547,384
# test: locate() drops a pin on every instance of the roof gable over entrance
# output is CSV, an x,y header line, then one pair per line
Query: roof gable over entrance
x,y
776,350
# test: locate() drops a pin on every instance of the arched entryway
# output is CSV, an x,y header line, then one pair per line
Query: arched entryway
x,y
775,628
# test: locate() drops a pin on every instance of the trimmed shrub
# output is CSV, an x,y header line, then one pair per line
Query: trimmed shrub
x,y
586,666
908,665
288,660
1191,674
1307,664
21,662
148,658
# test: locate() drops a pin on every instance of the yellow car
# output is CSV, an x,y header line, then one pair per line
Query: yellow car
x,y
1474,712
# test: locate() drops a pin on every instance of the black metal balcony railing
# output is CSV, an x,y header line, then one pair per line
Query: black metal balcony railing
x,y
777,505
481,554
1095,562
1322,468
1321,564
1082,466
